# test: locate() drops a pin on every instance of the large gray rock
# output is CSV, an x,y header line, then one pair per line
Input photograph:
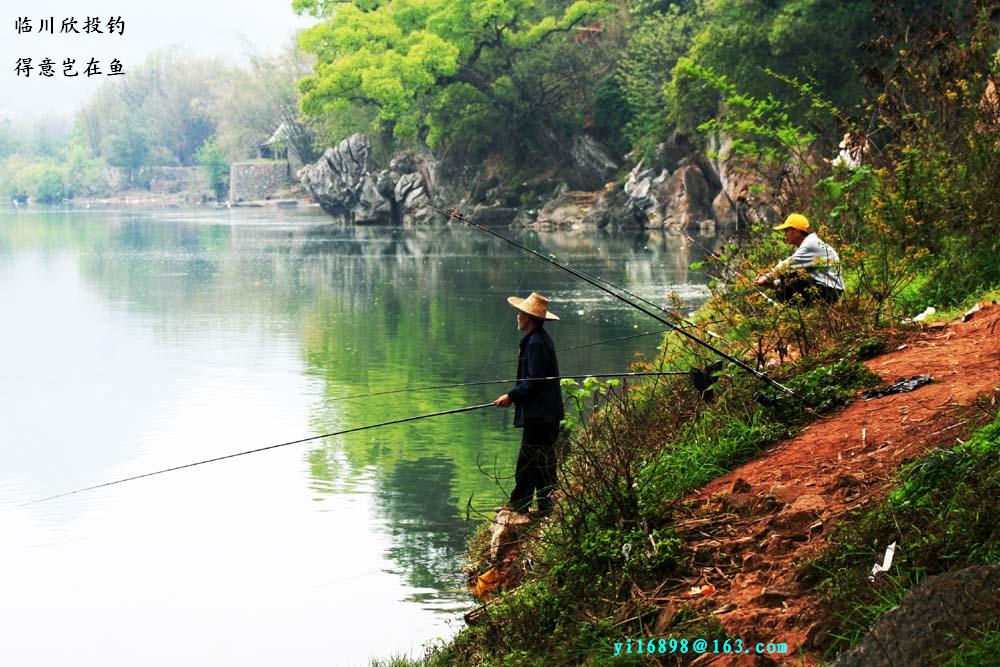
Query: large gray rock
x,y
592,164
677,200
348,184
672,151
411,196
493,216
931,622
567,209
640,196
686,198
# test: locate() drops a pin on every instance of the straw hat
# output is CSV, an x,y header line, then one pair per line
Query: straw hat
x,y
535,305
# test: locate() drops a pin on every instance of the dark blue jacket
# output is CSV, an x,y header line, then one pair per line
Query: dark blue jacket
x,y
542,399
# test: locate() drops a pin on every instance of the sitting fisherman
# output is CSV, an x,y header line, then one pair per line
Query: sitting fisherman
x,y
813,270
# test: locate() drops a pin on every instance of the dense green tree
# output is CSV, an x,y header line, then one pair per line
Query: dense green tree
x,y
129,149
815,41
213,159
439,70
654,47
169,99
251,104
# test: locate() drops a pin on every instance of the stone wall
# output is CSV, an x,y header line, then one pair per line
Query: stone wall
x,y
165,180
256,180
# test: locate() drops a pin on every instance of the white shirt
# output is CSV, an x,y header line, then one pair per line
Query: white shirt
x,y
820,260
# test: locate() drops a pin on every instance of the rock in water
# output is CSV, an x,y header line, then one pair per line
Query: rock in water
x,y
347,183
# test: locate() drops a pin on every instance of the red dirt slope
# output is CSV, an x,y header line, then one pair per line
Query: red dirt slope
x,y
746,530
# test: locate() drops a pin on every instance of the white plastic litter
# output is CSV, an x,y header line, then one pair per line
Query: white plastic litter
x,y
886,562
928,311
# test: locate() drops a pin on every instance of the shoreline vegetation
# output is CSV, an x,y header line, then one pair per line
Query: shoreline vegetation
x,y
877,120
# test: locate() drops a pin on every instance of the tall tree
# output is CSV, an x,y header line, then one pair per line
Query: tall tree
x,y
438,70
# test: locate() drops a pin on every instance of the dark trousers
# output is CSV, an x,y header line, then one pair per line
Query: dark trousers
x,y
811,290
535,474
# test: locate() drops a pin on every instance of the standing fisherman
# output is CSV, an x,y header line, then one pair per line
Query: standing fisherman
x,y
538,406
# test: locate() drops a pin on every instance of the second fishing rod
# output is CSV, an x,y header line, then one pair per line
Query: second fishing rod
x,y
604,281
592,281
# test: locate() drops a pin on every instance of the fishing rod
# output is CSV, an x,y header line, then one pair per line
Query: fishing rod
x,y
578,274
488,382
355,429
617,287
580,347
736,270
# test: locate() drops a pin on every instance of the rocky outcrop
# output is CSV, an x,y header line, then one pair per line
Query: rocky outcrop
x,y
592,164
612,208
348,184
493,216
686,198
681,189
567,209
677,200
410,194
931,622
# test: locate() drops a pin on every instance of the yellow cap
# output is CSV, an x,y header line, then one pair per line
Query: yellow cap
x,y
794,221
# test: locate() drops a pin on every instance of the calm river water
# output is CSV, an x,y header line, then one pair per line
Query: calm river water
x,y
137,340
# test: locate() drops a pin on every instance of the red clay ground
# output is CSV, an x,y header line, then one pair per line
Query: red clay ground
x,y
746,531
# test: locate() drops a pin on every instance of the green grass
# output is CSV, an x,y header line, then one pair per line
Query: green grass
x,y
980,650
627,470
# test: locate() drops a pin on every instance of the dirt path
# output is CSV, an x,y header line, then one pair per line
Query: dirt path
x,y
746,530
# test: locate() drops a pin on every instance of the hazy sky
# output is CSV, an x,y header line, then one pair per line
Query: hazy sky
x,y
226,28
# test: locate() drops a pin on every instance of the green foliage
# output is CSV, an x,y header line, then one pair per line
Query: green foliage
x,y
47,180
611,113
655,45
424,63
763,131
941,517
129,148
585,396
811,40
48,185
979,650
213,159
829,387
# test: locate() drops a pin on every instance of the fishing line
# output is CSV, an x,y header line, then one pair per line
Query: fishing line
x,y
487,382
736,270
261,449
574,272
588,276
504,323
580,347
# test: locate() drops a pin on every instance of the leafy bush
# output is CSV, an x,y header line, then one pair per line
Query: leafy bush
x,y
213,159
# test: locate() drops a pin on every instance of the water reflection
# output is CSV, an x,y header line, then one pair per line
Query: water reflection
x,y
170,336
428,534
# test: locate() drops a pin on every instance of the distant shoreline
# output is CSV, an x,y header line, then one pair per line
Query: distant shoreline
x,y
145,199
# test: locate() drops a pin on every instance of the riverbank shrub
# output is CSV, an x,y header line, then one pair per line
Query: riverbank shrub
x,y
46,180
624,476
212,159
